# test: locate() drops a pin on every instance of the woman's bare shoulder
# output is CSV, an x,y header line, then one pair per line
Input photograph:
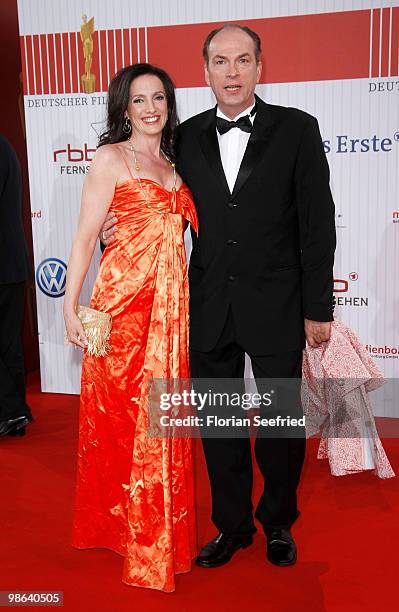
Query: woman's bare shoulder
x,y
109,153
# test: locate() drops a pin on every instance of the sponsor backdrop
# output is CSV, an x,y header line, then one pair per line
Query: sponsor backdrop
x,y
337,60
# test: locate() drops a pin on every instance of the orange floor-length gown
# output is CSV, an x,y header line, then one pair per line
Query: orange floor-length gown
x,y
135,494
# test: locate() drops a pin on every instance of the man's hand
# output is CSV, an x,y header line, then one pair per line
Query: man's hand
x,y
107,234
317,332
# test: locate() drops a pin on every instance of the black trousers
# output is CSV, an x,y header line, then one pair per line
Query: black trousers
x,y
12,373
229,460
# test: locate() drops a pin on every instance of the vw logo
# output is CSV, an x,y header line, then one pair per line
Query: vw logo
x,y
51,276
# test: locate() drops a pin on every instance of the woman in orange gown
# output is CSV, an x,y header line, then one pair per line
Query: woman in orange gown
x,y
134,493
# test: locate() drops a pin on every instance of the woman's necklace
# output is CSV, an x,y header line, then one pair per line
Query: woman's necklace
x,y
137,168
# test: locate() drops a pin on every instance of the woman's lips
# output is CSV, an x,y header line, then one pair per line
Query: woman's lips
x,y
150,120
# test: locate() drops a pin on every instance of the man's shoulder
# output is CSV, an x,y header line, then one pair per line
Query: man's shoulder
x,y
290,113
197,121
8,154
5,145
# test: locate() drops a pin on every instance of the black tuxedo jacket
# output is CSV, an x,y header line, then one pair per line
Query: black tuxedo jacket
x,y
267,249
15,266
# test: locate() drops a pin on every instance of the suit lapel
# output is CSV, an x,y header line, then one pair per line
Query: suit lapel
x,y
264,120
256,144
210,148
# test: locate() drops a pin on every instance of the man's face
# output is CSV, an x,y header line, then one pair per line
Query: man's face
x,y
232,71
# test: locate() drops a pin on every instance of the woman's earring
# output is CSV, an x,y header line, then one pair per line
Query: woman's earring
x,y
127,126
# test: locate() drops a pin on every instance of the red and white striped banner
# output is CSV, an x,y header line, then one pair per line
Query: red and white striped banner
x,y
322,47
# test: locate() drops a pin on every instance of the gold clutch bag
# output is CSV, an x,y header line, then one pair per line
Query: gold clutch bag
x,y
97,326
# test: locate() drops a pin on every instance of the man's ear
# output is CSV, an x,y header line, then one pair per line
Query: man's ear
x,y
206,74
259,71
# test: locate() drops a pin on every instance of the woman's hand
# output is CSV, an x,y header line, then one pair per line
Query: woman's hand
x,y
75,333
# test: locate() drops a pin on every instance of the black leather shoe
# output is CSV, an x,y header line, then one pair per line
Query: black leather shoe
x,y
12,426
281,548
221,549
17,433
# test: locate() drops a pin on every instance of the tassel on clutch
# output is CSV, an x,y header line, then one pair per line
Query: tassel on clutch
x,y
97,326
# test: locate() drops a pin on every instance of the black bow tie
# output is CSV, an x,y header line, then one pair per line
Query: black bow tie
x,y
223,126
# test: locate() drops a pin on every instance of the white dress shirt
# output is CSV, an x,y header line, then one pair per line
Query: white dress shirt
x,y
232,146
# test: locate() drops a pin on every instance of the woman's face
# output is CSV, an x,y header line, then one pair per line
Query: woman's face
x,y
147,108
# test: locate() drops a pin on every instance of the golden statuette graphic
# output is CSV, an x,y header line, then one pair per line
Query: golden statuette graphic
x,y
86,33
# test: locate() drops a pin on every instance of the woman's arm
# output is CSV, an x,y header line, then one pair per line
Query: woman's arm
x,y
97,194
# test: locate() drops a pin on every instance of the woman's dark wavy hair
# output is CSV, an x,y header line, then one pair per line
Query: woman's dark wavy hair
x,y
118,100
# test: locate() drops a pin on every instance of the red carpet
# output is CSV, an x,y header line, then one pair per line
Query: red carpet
x,y
347,536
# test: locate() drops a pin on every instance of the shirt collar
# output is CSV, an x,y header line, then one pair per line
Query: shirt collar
x,y
244,112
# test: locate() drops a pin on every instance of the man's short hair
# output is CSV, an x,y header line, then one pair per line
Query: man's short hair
x,y
229,26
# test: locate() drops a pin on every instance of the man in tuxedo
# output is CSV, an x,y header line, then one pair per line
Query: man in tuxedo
x,y
14,412
260,274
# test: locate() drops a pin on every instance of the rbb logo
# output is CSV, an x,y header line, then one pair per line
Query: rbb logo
x,y
51,277
74,155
